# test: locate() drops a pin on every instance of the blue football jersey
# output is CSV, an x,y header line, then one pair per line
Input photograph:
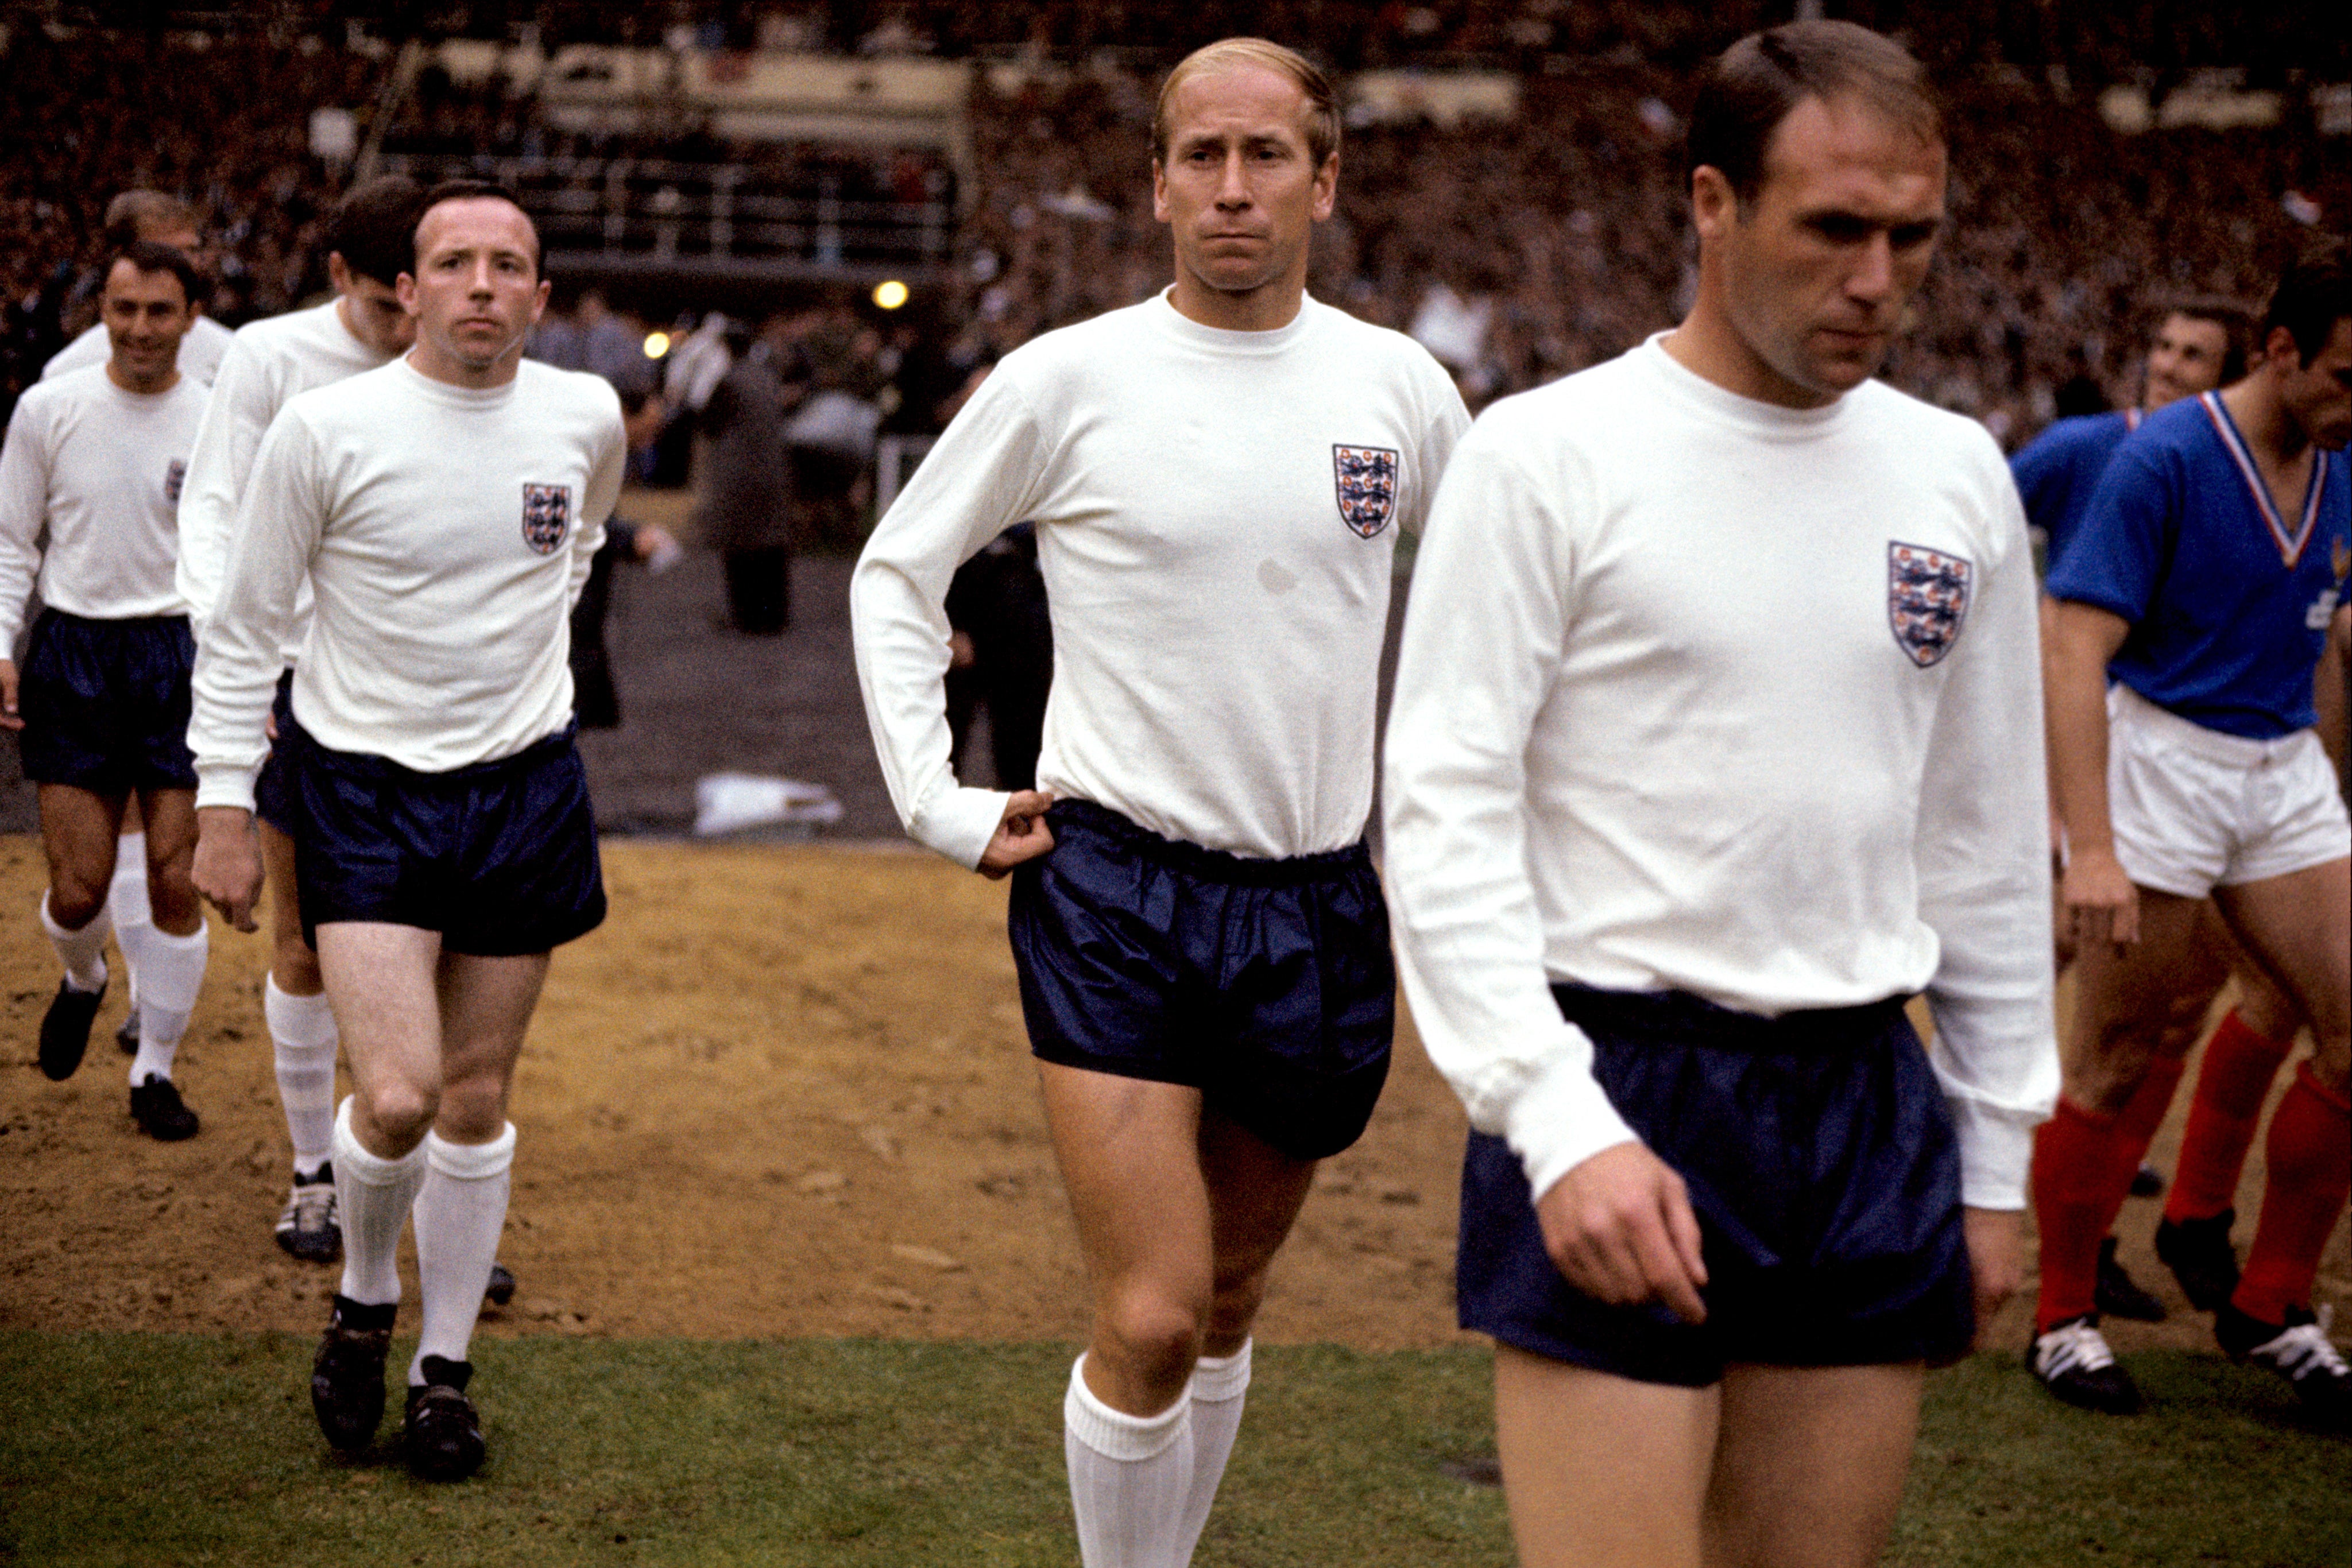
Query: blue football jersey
x,y
2058,471
2228,600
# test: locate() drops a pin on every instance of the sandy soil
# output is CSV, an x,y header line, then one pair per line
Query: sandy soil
x,y
783,1091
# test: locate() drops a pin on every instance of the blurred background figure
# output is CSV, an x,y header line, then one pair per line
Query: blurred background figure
x,y
748,479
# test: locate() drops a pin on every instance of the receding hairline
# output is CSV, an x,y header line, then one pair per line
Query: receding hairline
x,y
531,228
1319,116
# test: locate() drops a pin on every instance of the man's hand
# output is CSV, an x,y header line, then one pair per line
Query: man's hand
x,y
1021,835
1619,1228
227,871
9,717
1996,1259
2100,899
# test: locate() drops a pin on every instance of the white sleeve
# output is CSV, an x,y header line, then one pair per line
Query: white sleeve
x,y
1443,422
23,508
237,416
276,533
1493,593
605,477
1983,854
982,477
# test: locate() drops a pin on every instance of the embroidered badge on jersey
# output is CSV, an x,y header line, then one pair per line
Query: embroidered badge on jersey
x,y
1366,477
546,515
173,478
1927,600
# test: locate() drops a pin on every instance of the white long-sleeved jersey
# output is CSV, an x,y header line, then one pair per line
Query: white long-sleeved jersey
x,y
1217,519
446,532
102,469
266,363
1701,693
200,351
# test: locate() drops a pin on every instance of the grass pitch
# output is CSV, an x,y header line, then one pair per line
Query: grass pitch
x,y
155,1448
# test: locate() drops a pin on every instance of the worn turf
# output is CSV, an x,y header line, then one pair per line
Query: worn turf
x,y
140,1448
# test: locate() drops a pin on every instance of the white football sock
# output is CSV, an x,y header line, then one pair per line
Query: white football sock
x,y
1218,1384
372,1198
82,952
460,1211
302,1029
1129,1477
126,905
174,968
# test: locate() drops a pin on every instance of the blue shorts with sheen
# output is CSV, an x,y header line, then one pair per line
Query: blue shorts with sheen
x,y
1267,985
105,702
499,857
1821,1160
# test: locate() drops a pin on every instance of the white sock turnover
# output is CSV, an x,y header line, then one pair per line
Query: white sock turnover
x,y
173,967
460,1211
372,1197
302,1030
82,952
1218,1384
126,905
1129,1477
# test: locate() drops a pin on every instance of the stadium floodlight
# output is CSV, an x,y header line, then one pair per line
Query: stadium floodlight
x,y
890,294
656,345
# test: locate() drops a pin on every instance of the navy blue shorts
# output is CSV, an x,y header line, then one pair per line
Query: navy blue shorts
x,y
105,702
1267,985
273,790
1822,1163
499,857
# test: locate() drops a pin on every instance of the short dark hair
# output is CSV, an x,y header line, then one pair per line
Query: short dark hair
x,y
472,190
2236,321
2314,294
1750,88
373,227
133,211
146,255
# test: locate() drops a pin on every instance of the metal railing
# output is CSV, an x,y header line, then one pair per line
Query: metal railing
x,y
659,209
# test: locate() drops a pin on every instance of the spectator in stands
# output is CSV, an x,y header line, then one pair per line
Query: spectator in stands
x,y
746,510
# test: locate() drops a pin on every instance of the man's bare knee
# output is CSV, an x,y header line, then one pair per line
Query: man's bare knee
x,y
74,900
401,1113
472,1110
1156,1331
1233,1307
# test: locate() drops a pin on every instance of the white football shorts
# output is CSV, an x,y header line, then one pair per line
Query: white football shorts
x,y
2194,809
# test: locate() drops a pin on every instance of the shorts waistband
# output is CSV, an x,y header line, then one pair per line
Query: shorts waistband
x,y
2237,751
1199,859
368,765
127,623
1682,1018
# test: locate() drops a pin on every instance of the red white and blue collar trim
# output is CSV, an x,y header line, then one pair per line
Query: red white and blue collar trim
x,y
2290,545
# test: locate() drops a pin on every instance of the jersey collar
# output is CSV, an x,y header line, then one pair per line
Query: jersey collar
x,y
2290,545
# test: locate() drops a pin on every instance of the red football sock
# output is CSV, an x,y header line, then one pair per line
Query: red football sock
x,y
2143,1114
2222,1116
2083,1166
2310,1156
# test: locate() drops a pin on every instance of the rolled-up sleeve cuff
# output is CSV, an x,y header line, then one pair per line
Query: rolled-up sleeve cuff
x,y
1560,1121
225,784
957,822
1996,1149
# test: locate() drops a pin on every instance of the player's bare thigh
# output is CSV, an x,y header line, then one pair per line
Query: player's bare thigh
x,y
2298,927
2124,995
1600,1471
78,830
432,1037
170,819
1772,1467
1179,1212
292,964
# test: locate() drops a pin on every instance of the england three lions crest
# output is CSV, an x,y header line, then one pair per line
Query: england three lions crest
x,y
546,515
1927,600
1366,477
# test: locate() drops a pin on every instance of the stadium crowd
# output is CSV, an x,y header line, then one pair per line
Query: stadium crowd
x,y
1534,247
